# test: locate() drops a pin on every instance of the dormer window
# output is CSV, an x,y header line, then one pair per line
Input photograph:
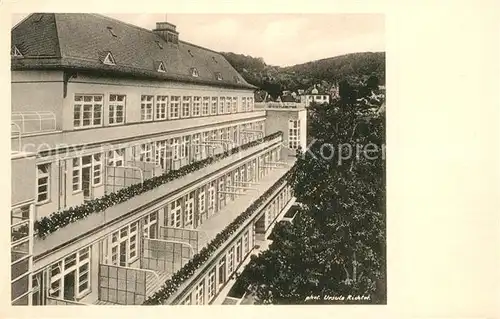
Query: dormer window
x,y
236,79
161,68
190,53
213,58
194,72
110,29
15,52
109,59
218,76
159,44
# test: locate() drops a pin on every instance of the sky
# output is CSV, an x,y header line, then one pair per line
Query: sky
x,y
281,39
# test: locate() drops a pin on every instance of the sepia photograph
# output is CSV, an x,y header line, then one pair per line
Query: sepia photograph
x,y
198,159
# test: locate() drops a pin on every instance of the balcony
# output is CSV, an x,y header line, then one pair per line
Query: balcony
x,y
84,231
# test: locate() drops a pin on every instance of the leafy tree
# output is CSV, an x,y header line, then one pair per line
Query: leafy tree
x,y
336,244
372,82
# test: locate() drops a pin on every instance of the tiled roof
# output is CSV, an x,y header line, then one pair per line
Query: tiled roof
x,y
80,41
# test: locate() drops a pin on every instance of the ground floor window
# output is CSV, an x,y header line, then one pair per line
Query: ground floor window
x,y
70,277
211,284
222,271
124,244
150,225
230,258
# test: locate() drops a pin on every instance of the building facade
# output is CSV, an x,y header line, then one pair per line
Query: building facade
x,y
141,170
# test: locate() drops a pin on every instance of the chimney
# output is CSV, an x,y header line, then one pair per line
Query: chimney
x,y
167,32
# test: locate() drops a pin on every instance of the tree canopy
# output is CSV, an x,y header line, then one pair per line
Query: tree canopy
x,y
335,246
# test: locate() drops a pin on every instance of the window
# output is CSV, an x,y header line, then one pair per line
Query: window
x,y
43,182
97,168
228,104
244,104
20,223
91,165
294,134
15,52
246,243
211,196
236,79
194,72
174,107
230,263
146,107
77,264
124,245
235,105
161,67
196,142
200,291
218,76
87,110
175,147
222,271
222,197
213,110
250,104
76,173
116,157
189,212
211,284
196,106
186,106
187,301
238,252
205,106
201,201
175,213
116,109
109,59
161,107
185,146
150,223
146,152
161,154
222,101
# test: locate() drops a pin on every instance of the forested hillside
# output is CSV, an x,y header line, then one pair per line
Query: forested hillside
x,y
354,68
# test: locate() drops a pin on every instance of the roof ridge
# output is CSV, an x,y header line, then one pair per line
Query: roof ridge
x,y
200,47
57,36
119,21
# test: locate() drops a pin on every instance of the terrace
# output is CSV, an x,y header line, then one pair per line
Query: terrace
x,y
96,225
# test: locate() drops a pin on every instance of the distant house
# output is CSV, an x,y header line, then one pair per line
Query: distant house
x,y
316,96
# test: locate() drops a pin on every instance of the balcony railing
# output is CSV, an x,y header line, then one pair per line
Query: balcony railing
x,y
280,105
29,122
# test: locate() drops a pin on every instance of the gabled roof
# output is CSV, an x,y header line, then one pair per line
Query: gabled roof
x,y
77,41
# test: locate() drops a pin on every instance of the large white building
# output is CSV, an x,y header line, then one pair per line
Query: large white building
x,y
141,171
